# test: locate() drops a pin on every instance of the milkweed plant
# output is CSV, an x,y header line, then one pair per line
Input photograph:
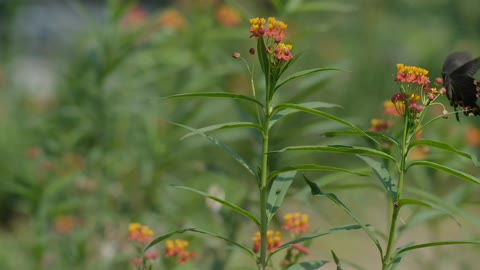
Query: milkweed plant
x,y
390,156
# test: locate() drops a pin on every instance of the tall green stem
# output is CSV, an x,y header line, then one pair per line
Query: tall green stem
x,y
392,236
262,264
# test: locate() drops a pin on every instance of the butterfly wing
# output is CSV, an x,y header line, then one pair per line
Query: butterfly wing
x,y
462,89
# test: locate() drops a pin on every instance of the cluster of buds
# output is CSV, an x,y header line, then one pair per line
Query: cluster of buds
x,y
141,234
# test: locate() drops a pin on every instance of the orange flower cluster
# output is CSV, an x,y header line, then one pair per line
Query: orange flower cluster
x,y
140,233
178,248
412,74
274,240
296,222
274,33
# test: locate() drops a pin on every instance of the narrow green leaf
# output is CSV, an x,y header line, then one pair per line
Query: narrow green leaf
x,y
234,154
338,149
460,174
304,73
410,201
277,193
445,147
324,115
383,175
379,135
236,208
215,95
314,167
279,113
311,265
228,125
336,260
317,192
433,244
165,236
313,236
444,202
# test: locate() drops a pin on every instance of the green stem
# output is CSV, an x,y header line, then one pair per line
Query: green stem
x,y
393,233
262,264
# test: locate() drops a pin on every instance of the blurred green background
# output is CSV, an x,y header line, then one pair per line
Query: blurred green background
x,y
87,146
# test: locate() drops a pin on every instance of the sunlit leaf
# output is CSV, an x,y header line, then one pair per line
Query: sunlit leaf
x,y
338,149
317,192
460,174
166,236
304,73
312,265
234,154
279,189
215,95
229,125
236,208
445,147
383,175
280,113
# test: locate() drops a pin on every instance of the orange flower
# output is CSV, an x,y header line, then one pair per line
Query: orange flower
x,y
296,222
282,52
173,19
139,233
178,248
228,16
274,240
473,136
64,224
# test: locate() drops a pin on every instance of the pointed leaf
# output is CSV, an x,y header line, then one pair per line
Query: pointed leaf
x,y
312,265
234,154
446,147
433,244
446,203
313,236
317,192
215,95
304,73
322,114
236,208
280,113
315,167
338,149
460,174
409,201
383,174
336,260
223,126
165,236
279,189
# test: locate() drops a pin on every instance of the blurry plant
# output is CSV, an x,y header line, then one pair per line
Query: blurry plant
x,y
275,57
140,235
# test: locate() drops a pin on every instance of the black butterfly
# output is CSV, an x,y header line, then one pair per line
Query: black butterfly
x,y
462,89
